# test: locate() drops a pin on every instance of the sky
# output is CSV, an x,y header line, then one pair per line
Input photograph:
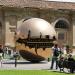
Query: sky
x,y
63,0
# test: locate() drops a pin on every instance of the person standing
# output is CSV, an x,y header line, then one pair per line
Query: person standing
x,y
56,51
71,63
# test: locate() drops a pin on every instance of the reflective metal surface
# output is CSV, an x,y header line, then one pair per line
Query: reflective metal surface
x,y
37,27
36,37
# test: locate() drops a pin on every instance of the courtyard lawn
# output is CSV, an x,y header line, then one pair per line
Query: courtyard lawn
x,y
30,72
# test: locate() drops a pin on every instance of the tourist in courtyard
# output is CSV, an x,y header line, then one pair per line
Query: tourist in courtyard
x,y
55,50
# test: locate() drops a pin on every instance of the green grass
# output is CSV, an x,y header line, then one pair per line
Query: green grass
x,y
30,72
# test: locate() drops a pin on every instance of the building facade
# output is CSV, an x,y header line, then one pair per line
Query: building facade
x,y
59,14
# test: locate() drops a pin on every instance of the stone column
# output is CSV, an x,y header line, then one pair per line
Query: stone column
x,y
74,32
2,30
10,22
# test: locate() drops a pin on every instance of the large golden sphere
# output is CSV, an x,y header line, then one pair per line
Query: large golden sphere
x,y
36,27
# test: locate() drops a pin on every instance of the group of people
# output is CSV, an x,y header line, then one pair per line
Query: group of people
x,y
60,53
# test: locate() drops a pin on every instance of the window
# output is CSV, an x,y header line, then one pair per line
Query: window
x,y
61,36
13,20
61,24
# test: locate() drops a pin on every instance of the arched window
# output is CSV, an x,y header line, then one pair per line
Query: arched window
x,y
1,33
61,24
61,29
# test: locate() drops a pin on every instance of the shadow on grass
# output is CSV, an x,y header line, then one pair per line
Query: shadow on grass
x,y
58,71
61,72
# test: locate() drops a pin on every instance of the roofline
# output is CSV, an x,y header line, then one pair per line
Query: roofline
x,y
42,5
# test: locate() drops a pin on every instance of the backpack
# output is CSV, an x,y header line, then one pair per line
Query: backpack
x,y
56,52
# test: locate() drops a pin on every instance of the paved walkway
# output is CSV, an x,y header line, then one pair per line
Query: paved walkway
x,y
24,65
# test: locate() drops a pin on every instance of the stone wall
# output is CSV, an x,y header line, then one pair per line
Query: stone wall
x,y
15,16
2,27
